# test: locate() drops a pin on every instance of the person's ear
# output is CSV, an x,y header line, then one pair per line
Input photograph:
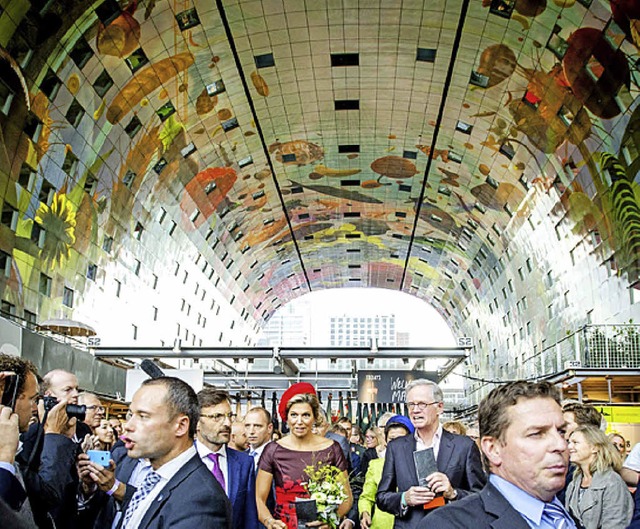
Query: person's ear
x,y
182,425
492,449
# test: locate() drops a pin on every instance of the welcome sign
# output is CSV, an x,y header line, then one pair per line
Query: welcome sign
x,y
388,386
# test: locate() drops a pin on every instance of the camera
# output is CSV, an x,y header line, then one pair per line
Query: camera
x,y
73,410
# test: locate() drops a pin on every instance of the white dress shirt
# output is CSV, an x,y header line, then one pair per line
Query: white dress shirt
x,y
166,471
435,442
223,461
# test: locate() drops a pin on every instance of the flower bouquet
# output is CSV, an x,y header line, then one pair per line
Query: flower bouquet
x,y
326,487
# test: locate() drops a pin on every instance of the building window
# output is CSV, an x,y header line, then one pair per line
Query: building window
x,y
155,313
8,309
92,271
67,297
107,244
136,268
9,216
137,231
30,318
118,287
5,264
134,331
45,285
155,282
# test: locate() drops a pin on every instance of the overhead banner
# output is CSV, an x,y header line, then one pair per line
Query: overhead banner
x,y
387,386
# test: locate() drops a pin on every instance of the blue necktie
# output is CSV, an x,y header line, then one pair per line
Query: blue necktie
x,y
143,491
557,516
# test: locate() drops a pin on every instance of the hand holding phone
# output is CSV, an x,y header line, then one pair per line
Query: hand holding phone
x,y
101,457
10,392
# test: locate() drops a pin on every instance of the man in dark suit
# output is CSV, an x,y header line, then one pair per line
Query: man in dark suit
x,y
45,470
459,469
522,440
178,490
233,469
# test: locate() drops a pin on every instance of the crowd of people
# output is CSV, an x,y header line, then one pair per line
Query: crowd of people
x,y
184,460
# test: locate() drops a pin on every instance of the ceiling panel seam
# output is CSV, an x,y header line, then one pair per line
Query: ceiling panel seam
x,y
245,86
443,101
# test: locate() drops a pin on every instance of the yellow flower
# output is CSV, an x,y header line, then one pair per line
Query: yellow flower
x,y
59,223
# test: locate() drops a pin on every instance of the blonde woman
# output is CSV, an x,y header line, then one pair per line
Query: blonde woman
x,y
597,497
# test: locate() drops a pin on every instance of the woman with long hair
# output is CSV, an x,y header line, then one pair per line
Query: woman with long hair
x,y
597,496
283,462
103,437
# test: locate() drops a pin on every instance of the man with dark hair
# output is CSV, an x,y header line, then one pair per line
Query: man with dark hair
x,y
47,469
178,490
459,470
523,445
579,414
233,469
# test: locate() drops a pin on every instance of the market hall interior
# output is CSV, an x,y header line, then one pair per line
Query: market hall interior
x,y
185,168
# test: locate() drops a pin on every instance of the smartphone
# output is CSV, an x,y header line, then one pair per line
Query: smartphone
x,y
101,457
10,392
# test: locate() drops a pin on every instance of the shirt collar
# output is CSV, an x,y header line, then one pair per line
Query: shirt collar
x,y
204,451
436,437
168,470
523,502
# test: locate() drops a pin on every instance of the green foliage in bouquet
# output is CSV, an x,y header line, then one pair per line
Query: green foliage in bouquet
x,y
326,486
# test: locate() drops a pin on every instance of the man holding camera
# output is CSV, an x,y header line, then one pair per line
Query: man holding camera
x,y
45,471
63,385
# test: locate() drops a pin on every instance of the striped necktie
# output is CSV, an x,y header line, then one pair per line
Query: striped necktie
x,y
557,516
143,491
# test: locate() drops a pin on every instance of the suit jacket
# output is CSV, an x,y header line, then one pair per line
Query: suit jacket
x,y
635,521
191,499
11,491
11,519
487,510
242,489
607,501
458,458
51,480
103,508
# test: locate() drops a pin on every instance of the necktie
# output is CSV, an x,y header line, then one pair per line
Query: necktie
x,y
255,457
217,471
143,491
557,516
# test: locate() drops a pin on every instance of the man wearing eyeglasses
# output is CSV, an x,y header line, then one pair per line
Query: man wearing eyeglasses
x,y
95,409
459,467
233,469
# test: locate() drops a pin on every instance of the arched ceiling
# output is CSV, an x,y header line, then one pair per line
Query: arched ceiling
x,y
304,145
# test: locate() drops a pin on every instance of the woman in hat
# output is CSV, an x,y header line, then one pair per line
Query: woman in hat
x,y
283,462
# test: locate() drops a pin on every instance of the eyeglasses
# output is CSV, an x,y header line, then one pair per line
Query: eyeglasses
x,y
420,405
95,407
217,417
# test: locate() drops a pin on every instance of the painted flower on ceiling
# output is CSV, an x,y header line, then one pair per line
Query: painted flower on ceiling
x,y
59,223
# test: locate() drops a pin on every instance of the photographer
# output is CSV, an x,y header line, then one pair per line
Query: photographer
x,y
44,467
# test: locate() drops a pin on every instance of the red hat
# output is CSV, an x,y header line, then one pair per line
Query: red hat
x,y
299,388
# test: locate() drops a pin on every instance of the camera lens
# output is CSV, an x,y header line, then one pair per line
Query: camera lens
x,y
77,411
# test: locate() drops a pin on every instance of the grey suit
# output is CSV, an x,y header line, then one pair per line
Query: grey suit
x,y
458,458
487,510
607,503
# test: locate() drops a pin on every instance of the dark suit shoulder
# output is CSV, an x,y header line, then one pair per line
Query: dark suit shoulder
x,y
462,514
238,456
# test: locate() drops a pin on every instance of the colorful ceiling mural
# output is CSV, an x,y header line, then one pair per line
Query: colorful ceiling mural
x,y
308,145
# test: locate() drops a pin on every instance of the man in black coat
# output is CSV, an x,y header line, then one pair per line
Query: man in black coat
x,y
459,469
522,440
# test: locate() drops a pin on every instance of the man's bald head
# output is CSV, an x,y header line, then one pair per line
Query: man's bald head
x,y
61,384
